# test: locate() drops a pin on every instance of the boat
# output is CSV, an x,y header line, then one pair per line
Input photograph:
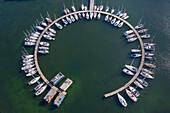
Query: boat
x,y
68,11
83,14
147,71
131,96
43,23
134,91
39,28
27,56
85,8
27,67
64,21
36,32
107,8
143,82
121,24
73,8
150,48
122,100
29,70
136,55
27,63
60,97
150,65
135,51
144,74
126,17
127,72
43,51
30,40
131,68
82,7
106,17
48,37
101,7
113,21
76,17
98,16
130,36
132,39
149,44
65,11
50,33
91,15
150,58
95,14
128,32
118,13
138,84
110,19
38,86
59,26
27,60
143,31
72,18
54,81
112,11
34,35
98,8
31,73
95,7
48,20
50,95
34,38
67,83
41,90
69,20
121,14
117,23
45,48
79,14
149,54
145,36
33,81
87,16
139,26
44,44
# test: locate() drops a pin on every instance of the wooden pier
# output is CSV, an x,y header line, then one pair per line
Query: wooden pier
x,y
91,5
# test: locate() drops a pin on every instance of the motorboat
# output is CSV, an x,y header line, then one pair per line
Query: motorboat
x,y
48,20
91,15
147,71
107,8
101,7
38,86
110,19
49,33
117,23
98,16
138,84
149,54
130,36
76,17
121,24
69,20
113,21
126,17
143,31
43,23
31,73
132,39
134,91
80,16
150,65
30,40
72,18
33,81
136,55
41,90
143,82
52,30
59,26
85,8
150,48
45,48
131,68
144,74
149,44
139,26
43,51
64,21
87,16
131,96
48,37
112,11
44,44
39,28
106,17
150,58
27,67
135,51
95,14
146,36
122,100
128,32
29,43
27,56
68,11
127,72
73,8
82,7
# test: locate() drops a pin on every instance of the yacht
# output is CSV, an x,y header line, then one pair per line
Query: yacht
x,y
68,11
106,17
65,11
87,16
27,63
101,7
144,74
127,72
150,65
128,32
48,37
64,21
113,21
150,58
143,31
27,56
95,14
134,91
98,8
44,44
43,51
131,68
52,30
130,36
72,18
95,7
39,28
73,8
107,8
118,13
43,23
85,8
122,100
136,55
49,33
32,37
149,44
135,51
147,71
27,60
45,48
121,14
132,39
150,48
69,20
29,43
83,14
131,96
139,26
31,73
110,19
41,90
126,17
146,36
29,70
91,15
79,14
117,23
48,20
112,11
36,32
98,16
82,7
27,67
76,17
59,26
33,81
149,54
38,86
120,25
143,82
138,84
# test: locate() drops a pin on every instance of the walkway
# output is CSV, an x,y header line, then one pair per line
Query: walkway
x,y
91,5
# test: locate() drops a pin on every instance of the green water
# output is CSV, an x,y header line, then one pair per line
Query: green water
x,y
91,53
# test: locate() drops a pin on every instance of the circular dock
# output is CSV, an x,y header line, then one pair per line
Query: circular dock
x,y
105,13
